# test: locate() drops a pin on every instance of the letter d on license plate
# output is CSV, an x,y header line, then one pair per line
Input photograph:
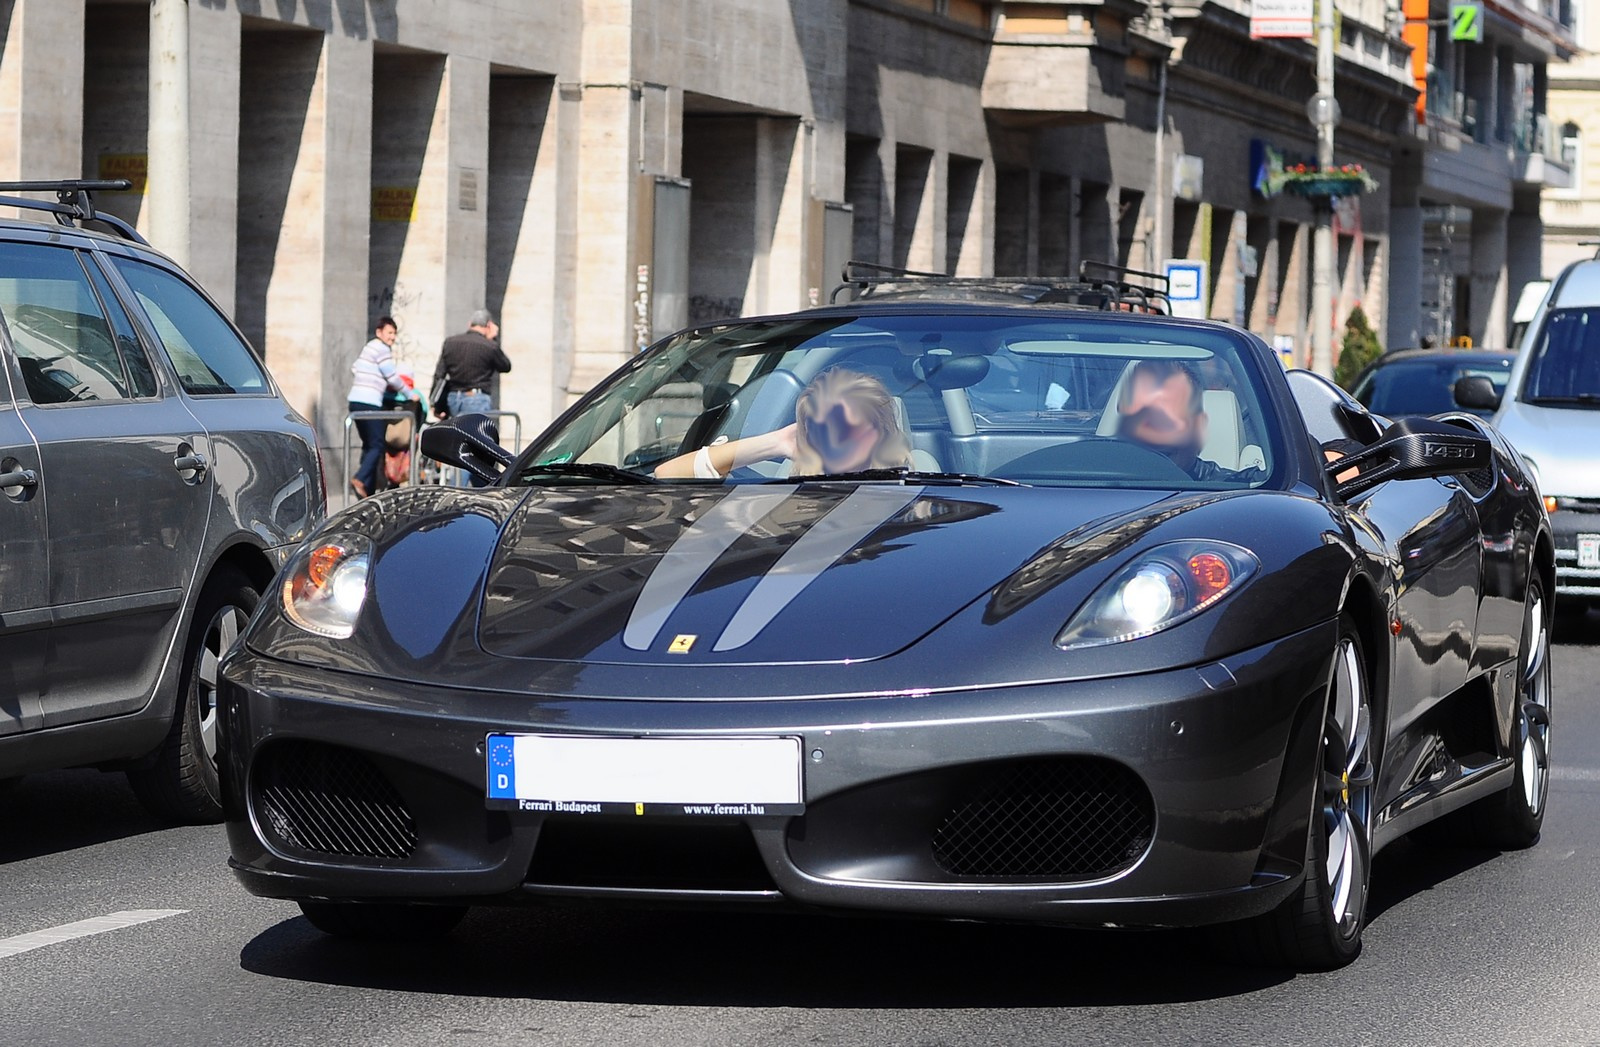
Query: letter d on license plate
x,y
695,777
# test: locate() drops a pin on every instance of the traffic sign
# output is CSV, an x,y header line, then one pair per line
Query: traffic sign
x,y
1186,287
1466,22
1281,18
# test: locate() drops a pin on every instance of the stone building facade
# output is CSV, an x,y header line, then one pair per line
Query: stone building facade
x,y
1572,212
600,172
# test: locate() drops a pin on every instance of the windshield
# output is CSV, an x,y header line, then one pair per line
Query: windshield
x,y
1063,401
1565,366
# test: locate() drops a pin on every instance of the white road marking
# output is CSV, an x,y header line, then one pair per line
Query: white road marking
x,y
1575,774
22,943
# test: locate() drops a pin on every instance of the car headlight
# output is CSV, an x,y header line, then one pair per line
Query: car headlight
x,y
1166,585
326,585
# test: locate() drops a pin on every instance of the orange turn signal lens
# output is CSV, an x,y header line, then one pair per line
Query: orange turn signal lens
x,y
1211,574
1549,503
322,562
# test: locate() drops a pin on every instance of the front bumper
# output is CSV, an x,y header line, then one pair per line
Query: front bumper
x,y
1573,518
1224,756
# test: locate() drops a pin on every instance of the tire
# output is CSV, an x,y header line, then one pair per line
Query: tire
x,y
1318,928
383,922
181,785
1512,819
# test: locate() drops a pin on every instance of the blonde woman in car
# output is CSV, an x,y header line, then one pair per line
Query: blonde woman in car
x,y
844,422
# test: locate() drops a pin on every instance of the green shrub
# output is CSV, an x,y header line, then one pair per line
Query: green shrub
x,y
1359,348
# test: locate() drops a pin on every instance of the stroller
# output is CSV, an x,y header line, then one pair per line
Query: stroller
x,y
399,440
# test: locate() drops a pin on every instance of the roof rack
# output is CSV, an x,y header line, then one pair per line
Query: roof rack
x,y
1100,286
74,202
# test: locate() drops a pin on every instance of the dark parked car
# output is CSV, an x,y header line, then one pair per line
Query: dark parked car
x,y
1424,381
1005,607
152,480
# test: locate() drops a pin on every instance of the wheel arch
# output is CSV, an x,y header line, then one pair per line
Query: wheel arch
x,y
1544,565
250,560
1371,618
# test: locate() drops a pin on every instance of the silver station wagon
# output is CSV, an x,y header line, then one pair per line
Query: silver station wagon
x,y
152,479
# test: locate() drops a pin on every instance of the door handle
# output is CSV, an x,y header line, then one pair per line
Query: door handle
x,y
16,481
193,462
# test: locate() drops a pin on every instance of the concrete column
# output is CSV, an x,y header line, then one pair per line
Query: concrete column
x,y
465,109
214,150
440,277
169,128
526,281
1404,326
777,275
608,201
1524,244
1375,296
41,90
601,322
1227,234
1487,319
303,217
342,203
1294,302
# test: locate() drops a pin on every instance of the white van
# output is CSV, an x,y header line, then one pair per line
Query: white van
x,y
1551,413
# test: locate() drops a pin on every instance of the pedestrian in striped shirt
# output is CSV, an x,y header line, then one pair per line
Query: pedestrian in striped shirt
x,y
374,374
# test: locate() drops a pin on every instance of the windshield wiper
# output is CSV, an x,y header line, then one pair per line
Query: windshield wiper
x,y
906,476
594,470
1574,398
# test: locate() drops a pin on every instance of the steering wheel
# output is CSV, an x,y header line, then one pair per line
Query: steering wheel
x,y
1094,458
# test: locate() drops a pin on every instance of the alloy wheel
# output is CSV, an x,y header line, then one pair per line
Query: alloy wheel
x,y
1347,787
1535,709
224,628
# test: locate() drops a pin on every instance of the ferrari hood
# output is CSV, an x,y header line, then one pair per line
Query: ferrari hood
x,y
761,574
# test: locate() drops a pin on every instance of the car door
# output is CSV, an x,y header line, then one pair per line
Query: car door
x,y
24,567
263,472
124,480
1431,527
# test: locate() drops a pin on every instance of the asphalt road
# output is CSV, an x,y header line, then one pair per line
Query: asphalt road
x,y
1463,947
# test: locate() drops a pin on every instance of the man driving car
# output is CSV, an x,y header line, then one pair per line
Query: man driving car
x,y
1162,408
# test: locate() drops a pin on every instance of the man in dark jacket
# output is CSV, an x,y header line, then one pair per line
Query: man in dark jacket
x,y
467,366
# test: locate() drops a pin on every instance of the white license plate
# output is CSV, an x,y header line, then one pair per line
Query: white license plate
x,y
704,777
1589,550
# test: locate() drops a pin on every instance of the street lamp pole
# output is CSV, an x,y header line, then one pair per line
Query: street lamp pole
x,y
1324,113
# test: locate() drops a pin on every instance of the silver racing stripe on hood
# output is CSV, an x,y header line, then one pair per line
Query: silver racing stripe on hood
x,y
842,529
692,555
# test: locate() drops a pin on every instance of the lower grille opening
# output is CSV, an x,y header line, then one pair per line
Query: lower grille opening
x,y
675,855
326,799
1068,818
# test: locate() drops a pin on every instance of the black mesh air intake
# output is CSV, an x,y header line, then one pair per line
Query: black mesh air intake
x,y
1061,818
330,800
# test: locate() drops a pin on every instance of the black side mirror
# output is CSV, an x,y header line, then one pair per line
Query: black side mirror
x,y
1475,392
470,442
1413,448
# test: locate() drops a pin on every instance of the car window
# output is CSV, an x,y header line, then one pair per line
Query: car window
x,y
62,339
1057,401
208,356
141,377
1565,367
